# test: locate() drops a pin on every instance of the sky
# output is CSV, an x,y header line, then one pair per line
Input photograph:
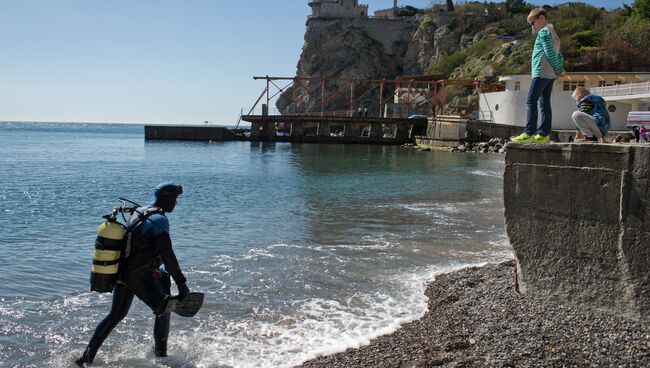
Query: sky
x,y
151,61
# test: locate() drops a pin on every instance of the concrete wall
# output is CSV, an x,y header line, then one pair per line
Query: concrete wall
x,y
350,130
449,131
578,219
188,133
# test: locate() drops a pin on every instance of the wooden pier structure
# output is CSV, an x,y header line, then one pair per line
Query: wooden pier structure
x,y
377,111
337,110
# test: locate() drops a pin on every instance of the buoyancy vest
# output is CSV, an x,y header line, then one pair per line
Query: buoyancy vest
x,y
141,253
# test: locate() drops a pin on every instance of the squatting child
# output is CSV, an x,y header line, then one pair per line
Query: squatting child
x,y
592,118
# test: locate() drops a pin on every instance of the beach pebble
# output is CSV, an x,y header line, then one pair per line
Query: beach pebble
x,y
476,318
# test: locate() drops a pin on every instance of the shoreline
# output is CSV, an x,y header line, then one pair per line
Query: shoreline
x,y
476,318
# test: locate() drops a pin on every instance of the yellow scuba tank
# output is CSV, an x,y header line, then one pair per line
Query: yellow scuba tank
x,y
106,258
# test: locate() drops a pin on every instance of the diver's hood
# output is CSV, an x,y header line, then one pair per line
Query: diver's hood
x,y
166,195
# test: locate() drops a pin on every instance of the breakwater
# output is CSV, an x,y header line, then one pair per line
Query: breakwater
x,y
189,133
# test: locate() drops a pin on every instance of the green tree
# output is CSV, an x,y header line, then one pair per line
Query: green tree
x,y
641,8
408,11
517,6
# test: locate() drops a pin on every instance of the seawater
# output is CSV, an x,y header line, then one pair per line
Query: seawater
x,y
301,249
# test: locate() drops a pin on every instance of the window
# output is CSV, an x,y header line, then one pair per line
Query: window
x,y
572,85
602,83
517,86
496,107
611,108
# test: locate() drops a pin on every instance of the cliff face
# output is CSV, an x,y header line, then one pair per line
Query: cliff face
x,y
370,49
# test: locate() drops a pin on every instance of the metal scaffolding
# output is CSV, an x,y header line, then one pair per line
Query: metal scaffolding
x,y
427,91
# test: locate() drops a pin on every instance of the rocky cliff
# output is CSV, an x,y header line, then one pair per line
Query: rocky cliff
x,y
370,49
476,41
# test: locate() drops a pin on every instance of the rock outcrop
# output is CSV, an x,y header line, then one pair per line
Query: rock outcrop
x,y
369,49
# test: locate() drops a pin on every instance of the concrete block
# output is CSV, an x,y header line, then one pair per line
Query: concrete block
x,y
576,219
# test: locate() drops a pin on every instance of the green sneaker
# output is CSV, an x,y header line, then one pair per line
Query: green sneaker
x,y
523,138
542,138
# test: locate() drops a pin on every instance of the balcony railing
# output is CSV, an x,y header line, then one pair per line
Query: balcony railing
x,y
623,89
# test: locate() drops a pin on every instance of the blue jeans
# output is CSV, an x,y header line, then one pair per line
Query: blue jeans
x,y
540,89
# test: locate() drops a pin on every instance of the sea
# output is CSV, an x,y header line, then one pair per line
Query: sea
x,y
301,249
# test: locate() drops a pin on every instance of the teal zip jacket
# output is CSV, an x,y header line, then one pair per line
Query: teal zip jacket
x,y
544,49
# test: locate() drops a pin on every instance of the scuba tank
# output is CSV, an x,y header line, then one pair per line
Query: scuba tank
x,y
106,257
109,246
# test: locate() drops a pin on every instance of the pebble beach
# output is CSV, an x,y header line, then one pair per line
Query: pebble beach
x,y
476,318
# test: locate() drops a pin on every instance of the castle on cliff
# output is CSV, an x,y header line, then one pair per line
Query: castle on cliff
x,y
347,9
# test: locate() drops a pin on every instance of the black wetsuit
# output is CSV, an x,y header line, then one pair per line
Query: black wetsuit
x,y
150,246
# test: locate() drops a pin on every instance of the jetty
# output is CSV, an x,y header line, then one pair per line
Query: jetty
x,y
375,111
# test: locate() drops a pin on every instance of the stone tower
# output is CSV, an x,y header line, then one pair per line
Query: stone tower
x,y
338,9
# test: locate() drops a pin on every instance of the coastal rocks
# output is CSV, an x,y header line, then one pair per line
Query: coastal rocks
x,y
477,319
494,145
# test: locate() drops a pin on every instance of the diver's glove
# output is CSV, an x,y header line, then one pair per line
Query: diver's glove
x,y
183,290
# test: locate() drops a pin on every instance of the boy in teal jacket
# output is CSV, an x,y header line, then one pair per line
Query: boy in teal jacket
x,y
546,66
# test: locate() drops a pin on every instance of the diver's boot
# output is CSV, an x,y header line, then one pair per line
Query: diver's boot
x,y
160,351
161,335
87,357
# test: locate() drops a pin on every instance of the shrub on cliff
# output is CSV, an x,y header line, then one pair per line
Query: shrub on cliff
x,y
641,9
408,11
593,39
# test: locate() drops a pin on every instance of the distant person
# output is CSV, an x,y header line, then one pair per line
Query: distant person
x,y
482,136
360,111
643,134
365,112
546,68
592,118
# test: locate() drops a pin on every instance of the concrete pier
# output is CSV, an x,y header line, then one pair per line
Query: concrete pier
x,y
578,219
334,129
189,133
301,129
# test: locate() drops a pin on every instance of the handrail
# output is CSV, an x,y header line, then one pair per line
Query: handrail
x,y
623,89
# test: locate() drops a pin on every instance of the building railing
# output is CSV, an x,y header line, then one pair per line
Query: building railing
x,y
623,89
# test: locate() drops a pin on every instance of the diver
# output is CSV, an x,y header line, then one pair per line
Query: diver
x,y
149,246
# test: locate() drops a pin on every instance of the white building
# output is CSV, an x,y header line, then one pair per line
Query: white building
x,y
623,92
338,9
